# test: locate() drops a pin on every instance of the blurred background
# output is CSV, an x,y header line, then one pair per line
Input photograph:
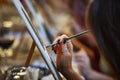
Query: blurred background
x,y
15,41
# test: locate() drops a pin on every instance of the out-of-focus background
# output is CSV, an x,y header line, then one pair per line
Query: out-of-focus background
x,y
56,17
15,41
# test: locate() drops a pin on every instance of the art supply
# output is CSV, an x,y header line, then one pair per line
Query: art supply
x,y
66,39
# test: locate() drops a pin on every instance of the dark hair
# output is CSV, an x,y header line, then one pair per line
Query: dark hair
x,y
104,19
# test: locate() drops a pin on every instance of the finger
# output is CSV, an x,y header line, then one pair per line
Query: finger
x,y
60,37
79,56
69,46
60,41
58,49
64,49
80,59
82,53
81,65
63,45
56,42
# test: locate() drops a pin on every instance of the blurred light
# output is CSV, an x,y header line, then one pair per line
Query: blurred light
x,y
7,24
17,77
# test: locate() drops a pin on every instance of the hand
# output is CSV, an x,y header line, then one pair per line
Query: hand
x,y
64,58
83,61
64,53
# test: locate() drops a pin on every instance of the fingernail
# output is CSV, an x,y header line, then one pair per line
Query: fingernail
x,y
58,41
52,47
64,40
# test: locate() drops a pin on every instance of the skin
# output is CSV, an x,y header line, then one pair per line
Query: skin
x,y
85,67
64,58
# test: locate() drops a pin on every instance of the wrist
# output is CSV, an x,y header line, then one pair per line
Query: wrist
x,y
94,75
66,70
70,74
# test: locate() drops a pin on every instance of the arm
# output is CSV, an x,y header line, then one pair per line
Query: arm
x,y
71,75
64,58
85,67
94,75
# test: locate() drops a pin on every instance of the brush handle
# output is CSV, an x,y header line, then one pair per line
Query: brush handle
x,y
73,36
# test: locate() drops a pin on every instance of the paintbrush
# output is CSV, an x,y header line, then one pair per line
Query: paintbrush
x,y
73,36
